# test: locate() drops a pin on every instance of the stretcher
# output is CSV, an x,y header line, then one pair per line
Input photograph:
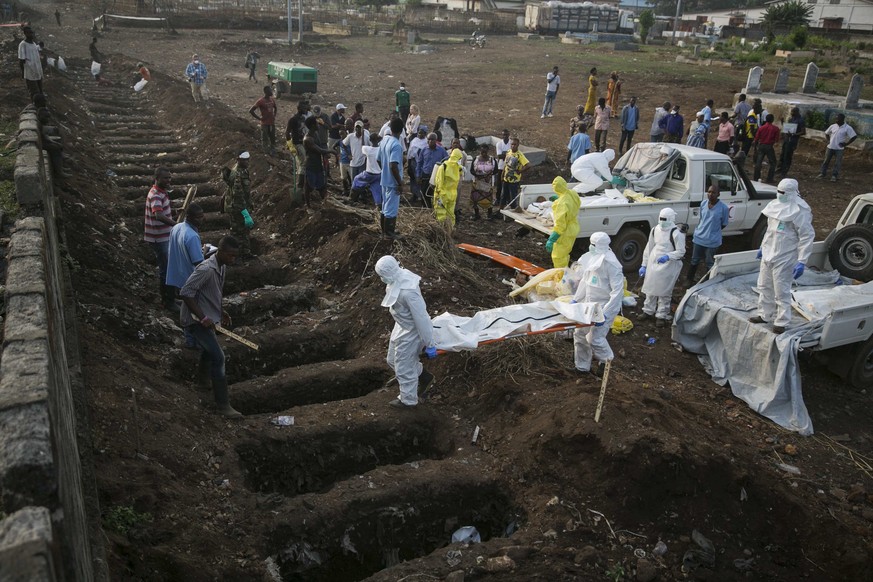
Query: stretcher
x,y
502,258
553,329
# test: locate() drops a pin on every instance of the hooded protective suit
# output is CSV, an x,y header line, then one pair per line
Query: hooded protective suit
x,y
413,329
566,213
445,193
591,170
602,282
787,243
665,240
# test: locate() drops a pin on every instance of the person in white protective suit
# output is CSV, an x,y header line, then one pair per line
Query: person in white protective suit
x,y
784,252
662,262
413,330
601,282
591,170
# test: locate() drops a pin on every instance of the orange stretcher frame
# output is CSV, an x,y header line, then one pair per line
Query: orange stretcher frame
x,y
504,259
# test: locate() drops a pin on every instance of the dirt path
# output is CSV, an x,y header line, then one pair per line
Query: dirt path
x,y
354,488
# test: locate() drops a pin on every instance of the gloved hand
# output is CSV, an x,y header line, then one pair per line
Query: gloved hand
x,y
553,198
553,238
663,259
799,268
573,301
248,218
759,255
642,271
599,324
430,352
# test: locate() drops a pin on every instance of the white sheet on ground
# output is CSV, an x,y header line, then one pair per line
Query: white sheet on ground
x,y
762,368
454,333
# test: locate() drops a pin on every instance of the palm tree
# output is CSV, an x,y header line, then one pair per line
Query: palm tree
x,y
786,14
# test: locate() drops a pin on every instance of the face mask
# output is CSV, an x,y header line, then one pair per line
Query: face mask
x,y
385,280
592,249
666,224
196,62
783,198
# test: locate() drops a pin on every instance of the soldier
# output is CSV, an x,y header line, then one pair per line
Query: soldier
x,y
238,201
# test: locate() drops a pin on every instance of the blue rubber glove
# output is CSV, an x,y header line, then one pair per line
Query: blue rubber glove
x,y
430,352
573,301
248,218
663,259
599,324
759,255
799,268
553,238
642,271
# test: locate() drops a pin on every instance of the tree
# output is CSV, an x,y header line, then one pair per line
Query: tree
x,y
787,14
647,20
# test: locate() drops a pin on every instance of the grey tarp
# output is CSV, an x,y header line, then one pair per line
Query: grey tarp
x,y
762,368
646,166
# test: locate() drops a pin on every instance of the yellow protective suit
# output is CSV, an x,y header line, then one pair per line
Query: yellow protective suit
x,y
566,213
591,103
445,193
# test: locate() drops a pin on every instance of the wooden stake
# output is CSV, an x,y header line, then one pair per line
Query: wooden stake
x,y
189,198
238,338
602,390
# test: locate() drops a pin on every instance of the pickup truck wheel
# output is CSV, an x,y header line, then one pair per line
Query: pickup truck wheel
x,y
851,251
861,373
758,232
628,246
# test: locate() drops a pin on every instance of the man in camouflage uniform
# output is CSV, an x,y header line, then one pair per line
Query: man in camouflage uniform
x,y
238,201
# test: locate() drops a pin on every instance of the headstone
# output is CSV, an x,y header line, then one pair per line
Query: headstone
x,y
753,83
697,50
809,79
781,81
854,93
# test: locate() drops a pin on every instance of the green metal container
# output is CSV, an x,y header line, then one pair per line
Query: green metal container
x,y
293,77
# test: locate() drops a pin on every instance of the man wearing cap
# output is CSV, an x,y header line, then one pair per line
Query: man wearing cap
x,y
337,122
356,141
402,99
196,73
266,105
238,201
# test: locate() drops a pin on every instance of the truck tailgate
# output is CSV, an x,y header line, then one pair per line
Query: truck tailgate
x,y
527,220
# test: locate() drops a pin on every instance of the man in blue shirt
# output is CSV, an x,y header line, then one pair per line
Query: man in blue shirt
x,y
391,160
714,216
630,120
580,144
425,160
184,253
196,73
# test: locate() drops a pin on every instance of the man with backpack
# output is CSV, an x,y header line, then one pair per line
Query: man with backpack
x,y
238,200
662,262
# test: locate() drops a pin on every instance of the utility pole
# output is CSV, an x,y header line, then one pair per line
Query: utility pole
x,y
300,23
289,23
676,20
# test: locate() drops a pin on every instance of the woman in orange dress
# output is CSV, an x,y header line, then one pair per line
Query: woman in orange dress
x,y
613,92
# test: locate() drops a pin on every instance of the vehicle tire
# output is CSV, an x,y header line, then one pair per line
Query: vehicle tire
x,y
472,43
758,232
282,88
861,372
628,246
851,251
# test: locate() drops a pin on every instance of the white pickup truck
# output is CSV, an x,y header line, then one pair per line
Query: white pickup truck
x,y
689,172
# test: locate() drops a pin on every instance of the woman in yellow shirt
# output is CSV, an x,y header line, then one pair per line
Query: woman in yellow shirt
x,y
591,103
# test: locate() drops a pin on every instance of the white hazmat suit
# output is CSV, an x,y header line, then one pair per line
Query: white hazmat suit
x,y
665,240
601,282
413,329
591,170
784,252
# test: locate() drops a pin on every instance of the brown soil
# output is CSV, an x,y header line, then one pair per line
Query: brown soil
x,y
360,486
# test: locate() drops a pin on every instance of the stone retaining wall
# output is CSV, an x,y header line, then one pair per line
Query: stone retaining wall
x,y
40,386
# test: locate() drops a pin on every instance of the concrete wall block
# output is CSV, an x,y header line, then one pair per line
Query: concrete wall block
x,y
27,470
28,122
25,275
24,374
26,241
30,185
26,318
28,136
26,546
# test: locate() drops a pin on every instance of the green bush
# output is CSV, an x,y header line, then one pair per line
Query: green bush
x,y
816,120
122,518
799,35
752,57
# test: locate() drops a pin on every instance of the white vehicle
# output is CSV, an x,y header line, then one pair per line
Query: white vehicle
x,y
832,318
679,180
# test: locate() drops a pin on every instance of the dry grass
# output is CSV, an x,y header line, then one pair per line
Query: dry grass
x,y
527,356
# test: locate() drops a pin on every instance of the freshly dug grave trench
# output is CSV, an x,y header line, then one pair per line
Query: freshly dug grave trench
x,y
257,305
405,523
312,461
310,384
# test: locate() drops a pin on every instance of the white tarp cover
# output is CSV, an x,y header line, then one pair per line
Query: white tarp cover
x,y
646,166
820,303
762,368
455,333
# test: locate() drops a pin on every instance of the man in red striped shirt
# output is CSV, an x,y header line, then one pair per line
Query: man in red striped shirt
x,y
158,224
765,140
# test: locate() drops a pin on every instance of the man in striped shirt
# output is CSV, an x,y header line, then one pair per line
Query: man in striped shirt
x,y
158,224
